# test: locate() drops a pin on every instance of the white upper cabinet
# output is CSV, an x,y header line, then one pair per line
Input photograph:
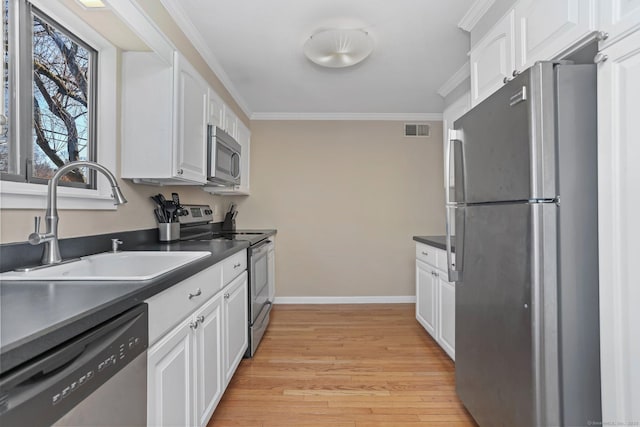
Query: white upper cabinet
x,y
619,18
164,117
192,117
216,110
534,30
230,122
492,59
546,28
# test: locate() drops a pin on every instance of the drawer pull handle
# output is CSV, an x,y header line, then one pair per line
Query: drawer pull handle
x,y
425,253
237,265
193,325
197,293
226,296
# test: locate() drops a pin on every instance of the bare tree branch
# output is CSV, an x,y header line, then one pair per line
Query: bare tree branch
x,y
62,114
70,56
59,82
43,143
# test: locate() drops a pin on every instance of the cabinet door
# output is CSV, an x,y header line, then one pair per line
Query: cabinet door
x,y
619,17
492,59
216,110
230,122
546,28
236,325
619,228
209,358
426,298
169,379
191,96
446,315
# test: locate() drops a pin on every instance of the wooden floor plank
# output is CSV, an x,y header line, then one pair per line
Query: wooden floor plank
x,y
364,365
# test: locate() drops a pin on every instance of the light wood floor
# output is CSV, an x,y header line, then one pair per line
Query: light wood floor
x,y
359,365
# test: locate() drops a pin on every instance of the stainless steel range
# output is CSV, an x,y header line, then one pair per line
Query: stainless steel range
x,y
196,224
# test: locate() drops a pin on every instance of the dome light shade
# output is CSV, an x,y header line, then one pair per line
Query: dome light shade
x,y
337,48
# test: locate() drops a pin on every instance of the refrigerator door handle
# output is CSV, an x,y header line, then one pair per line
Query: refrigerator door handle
x,y
454,271
453,137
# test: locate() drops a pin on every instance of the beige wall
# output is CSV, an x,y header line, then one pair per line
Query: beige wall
x,y
346,198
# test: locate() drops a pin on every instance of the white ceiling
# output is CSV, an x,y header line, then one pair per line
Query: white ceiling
x,y
256,46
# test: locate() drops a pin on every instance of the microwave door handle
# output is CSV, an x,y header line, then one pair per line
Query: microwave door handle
x,y
235,159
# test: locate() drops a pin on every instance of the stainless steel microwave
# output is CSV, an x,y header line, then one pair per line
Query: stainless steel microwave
x,y
223,158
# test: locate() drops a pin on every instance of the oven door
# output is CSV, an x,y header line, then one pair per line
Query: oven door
x,y
223,157
259,280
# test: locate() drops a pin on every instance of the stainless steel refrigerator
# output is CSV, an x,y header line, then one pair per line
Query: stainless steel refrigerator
x,y
526,268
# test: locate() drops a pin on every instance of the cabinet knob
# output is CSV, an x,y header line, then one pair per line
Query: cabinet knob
x,y
505,80
197,293
180,171
193,325
600,58
200,319
602,35
515,73
226,296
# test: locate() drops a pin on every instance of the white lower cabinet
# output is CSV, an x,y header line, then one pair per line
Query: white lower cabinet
x,y
446,335
169,379
435,297
426,288
189,367
208,358
236,331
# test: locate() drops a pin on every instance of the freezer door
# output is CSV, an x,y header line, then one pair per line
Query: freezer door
x,y
507,142
494,357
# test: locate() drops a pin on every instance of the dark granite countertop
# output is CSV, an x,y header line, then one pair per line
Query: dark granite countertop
x,y
39,315
435,241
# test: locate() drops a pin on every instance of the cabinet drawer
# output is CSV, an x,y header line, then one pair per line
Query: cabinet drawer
x,y
427,254
233,266
171,306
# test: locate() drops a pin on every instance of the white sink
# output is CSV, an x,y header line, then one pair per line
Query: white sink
x,y
120,266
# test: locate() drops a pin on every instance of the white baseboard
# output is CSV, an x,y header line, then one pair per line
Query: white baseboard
x,y
347,300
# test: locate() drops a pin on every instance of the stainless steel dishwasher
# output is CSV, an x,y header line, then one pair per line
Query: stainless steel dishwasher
x,y
96,379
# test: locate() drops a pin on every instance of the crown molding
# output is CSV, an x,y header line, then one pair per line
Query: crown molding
x,y
458,77
474,14
187,27
417,117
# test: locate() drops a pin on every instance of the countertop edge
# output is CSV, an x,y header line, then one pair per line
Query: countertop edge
x,y
20,351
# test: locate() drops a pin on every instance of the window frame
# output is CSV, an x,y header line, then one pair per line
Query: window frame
x,y
29,195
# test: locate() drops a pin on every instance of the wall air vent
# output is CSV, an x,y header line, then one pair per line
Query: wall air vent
x,y
416,130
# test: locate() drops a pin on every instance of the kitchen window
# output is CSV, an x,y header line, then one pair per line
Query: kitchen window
x,y
57,74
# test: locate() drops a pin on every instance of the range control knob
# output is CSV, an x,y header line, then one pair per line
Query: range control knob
x,y
208,211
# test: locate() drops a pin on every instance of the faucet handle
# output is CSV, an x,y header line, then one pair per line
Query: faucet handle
x,y
115,244
36,224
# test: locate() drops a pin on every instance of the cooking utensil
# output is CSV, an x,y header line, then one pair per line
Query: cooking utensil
x,y
170,209
176,199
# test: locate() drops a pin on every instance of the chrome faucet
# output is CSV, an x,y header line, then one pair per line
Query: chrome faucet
x,y
51,254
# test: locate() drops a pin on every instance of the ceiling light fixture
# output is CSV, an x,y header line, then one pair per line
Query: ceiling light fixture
x,y
336,48
92,4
